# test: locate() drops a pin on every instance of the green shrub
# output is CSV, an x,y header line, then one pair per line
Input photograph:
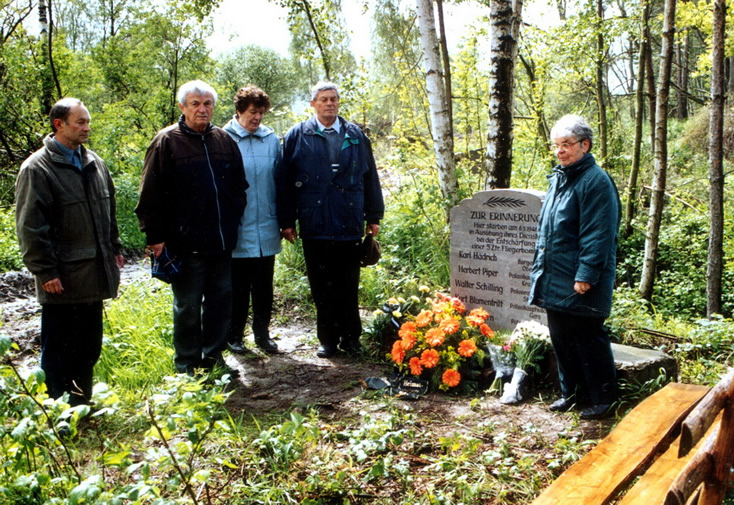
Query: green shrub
x,y
10,257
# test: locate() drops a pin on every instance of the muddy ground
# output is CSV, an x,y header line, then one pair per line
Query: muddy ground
x,y
296,378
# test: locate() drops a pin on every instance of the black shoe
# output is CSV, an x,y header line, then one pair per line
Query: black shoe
x,y
237,347
351,347
563,404
267,344
597,411
326,351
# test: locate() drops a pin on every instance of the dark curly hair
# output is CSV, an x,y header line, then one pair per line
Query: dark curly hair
x,y
251,95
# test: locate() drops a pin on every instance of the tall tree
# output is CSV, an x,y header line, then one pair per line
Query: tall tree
x,y
631,192
505,19
716,163
661,153
681,84
443,141
601,89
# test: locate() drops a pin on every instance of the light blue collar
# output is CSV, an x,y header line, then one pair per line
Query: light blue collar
x,y
71,156
336,126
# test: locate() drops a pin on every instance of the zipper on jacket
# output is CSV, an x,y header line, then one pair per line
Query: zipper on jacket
x,y
216,193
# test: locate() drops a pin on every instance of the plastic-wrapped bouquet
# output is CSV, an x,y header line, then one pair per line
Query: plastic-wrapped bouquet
x,y
529,342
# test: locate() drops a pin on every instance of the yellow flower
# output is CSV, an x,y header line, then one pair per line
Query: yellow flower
x,y
397,313
392,301
424,289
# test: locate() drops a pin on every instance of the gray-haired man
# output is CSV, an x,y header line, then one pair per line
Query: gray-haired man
x,y
192,197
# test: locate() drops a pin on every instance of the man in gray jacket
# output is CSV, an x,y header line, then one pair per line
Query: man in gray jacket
x,y
67,230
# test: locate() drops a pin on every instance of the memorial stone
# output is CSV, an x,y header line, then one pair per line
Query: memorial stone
x,y
493,238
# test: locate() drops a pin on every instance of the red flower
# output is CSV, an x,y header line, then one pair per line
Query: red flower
x,y
486,330
467,348
429,358
451,378
449,326
415,366
408,328
424,318
434,337
398,353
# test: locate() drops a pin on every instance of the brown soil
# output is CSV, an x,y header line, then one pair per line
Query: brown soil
x,y
296,378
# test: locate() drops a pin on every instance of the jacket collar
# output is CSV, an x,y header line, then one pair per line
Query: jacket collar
x,y
572,171
311,127
184,127
57,156
235,128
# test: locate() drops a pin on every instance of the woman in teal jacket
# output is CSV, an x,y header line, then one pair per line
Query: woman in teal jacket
x,y
253,260
574,268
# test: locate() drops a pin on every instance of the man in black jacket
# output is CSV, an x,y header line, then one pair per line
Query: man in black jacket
x,y
192,197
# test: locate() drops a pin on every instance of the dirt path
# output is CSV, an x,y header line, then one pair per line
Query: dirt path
x,y
297,379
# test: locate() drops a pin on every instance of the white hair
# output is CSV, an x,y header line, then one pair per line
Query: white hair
x,y
323,86
574,126
197,87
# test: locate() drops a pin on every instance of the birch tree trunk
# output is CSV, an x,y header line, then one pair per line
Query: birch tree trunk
x,y
600,102
505,19
650,78
682,76
639,114
716,164
661,153
443,141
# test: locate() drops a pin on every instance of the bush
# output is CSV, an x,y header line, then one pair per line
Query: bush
x,y
10,257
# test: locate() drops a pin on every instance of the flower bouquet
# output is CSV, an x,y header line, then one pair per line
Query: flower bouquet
x,y
441,344
529,342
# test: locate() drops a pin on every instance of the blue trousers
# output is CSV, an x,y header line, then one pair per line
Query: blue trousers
x,y
584,354
333,274
71,343
202,310
251,278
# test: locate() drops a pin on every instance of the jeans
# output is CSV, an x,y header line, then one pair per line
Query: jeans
x,y
584,354
71,343
202,309
333,273
251,277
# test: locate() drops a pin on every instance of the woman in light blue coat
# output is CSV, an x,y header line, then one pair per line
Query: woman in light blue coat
x,y
253,260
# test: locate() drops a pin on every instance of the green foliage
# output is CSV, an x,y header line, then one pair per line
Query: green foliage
x,y
10,257
137,351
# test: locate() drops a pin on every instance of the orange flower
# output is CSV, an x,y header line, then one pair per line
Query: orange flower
x,y
408,341
467,348
408,328
449,326
451,378
434,337
486,330
479,312
398,353
423,319
429,358
442,296
415,366
458,305
474,320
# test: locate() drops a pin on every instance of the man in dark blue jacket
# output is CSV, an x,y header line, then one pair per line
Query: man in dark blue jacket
x,y
328,182
574,268
192,197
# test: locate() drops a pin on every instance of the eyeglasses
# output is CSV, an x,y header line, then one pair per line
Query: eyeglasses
x,y
565,146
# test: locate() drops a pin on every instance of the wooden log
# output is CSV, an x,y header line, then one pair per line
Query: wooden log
x,y
699,420
654,484
645,432
714,488
699,468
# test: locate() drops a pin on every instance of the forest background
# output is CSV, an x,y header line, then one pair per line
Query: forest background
x,y
649,75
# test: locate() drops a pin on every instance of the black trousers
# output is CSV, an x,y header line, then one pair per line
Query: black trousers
x,y
333,273
251,278
71,343
585,359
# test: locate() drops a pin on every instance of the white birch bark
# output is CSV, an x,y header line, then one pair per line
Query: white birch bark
x,y
443,141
